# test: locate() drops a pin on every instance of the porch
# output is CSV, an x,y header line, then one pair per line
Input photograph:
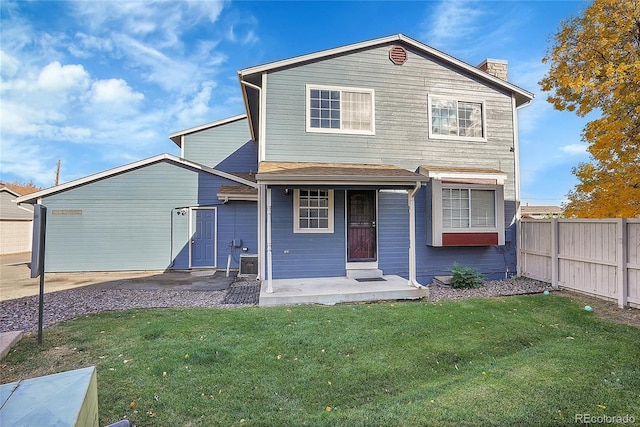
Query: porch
x,y
334,290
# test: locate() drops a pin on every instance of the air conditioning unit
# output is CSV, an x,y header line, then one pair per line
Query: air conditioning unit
x,y
248,265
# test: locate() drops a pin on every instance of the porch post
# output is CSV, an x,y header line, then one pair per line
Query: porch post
x,y
412,235
269,255
261,226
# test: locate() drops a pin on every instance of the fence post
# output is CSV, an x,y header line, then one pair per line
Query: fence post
x,y
554,254
621,261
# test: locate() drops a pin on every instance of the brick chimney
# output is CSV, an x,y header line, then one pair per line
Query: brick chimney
x,y
496,67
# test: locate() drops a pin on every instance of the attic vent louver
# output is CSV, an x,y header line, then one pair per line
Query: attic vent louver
x,y
398,55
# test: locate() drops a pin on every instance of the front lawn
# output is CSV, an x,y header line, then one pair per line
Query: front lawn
x,y
528,360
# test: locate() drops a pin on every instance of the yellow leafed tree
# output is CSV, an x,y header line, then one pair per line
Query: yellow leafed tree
x,y
595,66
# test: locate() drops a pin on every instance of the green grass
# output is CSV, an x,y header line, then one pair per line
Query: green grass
x,y
529,360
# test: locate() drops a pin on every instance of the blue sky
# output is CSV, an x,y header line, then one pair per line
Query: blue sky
x,y
103,83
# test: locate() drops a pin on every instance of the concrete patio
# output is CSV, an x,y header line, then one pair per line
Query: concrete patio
x,y
334,290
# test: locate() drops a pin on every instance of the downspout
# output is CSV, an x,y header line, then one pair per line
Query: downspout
x,y
412,236
269,255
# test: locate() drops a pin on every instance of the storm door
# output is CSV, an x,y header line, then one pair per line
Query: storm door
x,y
361,225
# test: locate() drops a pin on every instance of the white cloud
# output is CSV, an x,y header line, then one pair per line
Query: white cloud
x,y
451,21
8,65
111,82
114,91
57,78
574,149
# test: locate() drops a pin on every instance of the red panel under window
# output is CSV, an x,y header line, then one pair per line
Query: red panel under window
x,y
469,239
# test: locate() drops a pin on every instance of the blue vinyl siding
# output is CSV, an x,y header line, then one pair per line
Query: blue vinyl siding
x,y
491,261
309,254
236,220
393,233
244,159
211,146
130,221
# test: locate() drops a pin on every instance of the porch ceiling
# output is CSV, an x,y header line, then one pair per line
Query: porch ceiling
x,y
335,173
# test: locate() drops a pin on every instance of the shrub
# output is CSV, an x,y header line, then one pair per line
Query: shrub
x,y
465,277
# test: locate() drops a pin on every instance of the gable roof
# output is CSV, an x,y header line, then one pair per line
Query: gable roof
x,y
33,197
176,137
522,96
9,210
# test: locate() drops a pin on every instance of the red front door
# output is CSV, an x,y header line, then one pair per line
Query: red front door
x,y
361,225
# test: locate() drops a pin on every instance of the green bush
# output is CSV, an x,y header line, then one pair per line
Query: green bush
x,y
465,277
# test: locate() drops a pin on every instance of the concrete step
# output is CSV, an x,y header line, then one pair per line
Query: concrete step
x,y
335,290
8,340
364,273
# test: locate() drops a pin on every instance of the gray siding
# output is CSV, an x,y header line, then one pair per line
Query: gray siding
x,y
10,210
211,146
401,114
130,222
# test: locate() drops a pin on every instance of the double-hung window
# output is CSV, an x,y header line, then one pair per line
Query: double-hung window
x,y
467,208
313,211
456,119
340,110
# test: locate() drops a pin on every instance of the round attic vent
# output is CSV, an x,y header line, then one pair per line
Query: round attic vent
x,y
398,55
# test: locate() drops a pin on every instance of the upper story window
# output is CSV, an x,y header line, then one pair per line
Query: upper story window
x,y
340,110
450,118
313,211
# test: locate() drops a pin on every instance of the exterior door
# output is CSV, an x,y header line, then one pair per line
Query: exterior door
x,y
203,238
361,226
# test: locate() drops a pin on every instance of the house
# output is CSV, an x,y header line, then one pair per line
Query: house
x,y
385,157
540,212
15,224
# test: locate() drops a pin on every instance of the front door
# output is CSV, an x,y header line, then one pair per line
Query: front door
x,y
203,237
361,226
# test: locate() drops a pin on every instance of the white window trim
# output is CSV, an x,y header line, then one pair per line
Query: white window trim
x,y
471,229
437,216
432,135
309,87
296,215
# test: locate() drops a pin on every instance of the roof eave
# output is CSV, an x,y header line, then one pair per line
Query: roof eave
x,y
283,179
522,96
176,136
33,197
238,197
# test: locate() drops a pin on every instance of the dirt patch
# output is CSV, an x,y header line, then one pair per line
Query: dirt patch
x,y
604,309
50,361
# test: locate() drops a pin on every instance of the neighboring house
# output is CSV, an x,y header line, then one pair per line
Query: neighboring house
x,y
381,157
540,212
15,224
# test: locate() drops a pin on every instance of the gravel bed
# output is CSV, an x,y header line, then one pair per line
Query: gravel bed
x,y
493,288
22,313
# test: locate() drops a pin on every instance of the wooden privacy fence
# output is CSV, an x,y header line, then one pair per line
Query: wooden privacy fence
x,y
595,256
